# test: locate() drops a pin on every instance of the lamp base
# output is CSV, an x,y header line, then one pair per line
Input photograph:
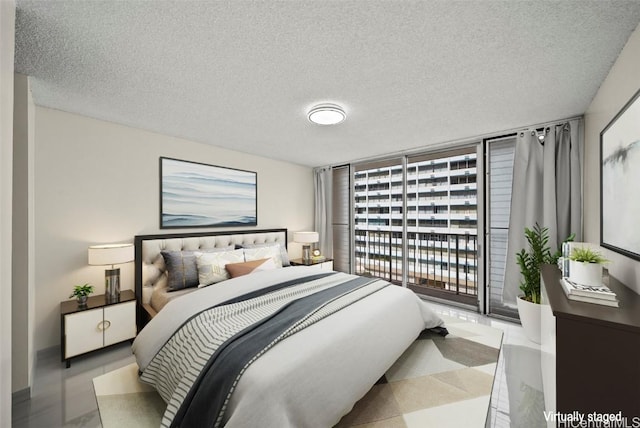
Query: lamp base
x,y
306,253
112,284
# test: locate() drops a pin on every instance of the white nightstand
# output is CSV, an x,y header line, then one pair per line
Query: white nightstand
x,y
97,325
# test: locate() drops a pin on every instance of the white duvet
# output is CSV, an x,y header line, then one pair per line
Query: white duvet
x,y
314,377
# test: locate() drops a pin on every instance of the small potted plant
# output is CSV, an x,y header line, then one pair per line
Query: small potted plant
x,y
585,266
81,292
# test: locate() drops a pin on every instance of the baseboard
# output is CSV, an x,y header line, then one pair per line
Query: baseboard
x,y
20,396
48,352
505,318
446,302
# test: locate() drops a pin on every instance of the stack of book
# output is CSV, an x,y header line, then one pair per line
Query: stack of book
x,y
600,295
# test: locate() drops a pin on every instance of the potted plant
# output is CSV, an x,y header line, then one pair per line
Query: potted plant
x,y
81,292
529,262
585,266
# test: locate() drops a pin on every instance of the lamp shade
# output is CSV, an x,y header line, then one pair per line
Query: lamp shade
x,y
111,254
306,237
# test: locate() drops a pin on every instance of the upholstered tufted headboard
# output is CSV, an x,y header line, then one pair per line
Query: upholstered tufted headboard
x,y
149,263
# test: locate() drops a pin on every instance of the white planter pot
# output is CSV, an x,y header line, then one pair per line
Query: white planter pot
x,y
530,319
585,273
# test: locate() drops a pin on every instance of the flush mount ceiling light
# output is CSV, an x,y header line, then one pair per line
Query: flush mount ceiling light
x,y
327,114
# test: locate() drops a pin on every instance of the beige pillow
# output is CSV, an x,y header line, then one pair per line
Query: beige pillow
x,y
211,266
239,269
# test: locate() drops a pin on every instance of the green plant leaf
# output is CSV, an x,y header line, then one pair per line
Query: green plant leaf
x,y
529,260
587,255
82,290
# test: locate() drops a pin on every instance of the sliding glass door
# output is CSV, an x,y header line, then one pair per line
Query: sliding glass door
x,y
442,221
424,222
378,219
416,223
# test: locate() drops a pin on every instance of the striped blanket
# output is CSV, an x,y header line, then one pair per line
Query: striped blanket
x,y
198,368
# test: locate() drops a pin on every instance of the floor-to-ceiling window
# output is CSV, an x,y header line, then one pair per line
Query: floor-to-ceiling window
x,y
416,222
442,220
436,222
378,189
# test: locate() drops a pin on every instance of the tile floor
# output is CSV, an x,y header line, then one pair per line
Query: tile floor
x,y
65,397
517,399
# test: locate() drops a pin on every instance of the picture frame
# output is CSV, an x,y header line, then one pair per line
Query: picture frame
x,y
619,177
195,194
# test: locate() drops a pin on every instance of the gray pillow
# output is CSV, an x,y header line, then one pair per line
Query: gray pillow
x,y
283,251
182,271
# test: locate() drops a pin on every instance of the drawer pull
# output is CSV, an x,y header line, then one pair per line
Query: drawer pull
x,y
103,325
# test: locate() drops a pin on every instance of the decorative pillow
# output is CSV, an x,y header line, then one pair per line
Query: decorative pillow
x,y
182,271
283,251
266,252
239,269
211,266
284,256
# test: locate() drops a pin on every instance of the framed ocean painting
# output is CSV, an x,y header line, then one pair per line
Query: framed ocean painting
x,y
619,178
194,194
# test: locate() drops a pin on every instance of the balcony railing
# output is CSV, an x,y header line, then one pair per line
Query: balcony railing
x,y
440,264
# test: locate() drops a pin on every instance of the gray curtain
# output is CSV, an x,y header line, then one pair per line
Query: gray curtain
x,y
322,181
547,189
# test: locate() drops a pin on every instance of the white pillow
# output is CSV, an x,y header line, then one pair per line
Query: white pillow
x,y
211,266
266,252
284,256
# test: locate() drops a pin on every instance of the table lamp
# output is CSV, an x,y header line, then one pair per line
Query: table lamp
x,y
111,254
306,238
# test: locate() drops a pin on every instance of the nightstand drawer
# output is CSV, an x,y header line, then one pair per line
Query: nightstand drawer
x,y
326,265
122,323
82,332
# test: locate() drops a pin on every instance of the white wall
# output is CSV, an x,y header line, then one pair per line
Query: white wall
x,y
98,182
22,275
620,85
7,36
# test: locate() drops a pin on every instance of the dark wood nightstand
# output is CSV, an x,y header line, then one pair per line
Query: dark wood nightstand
x,y
97,325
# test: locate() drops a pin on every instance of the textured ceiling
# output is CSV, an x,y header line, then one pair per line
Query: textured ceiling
x,y
242,74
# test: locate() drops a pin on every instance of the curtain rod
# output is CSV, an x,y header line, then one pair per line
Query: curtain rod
x,y
451,144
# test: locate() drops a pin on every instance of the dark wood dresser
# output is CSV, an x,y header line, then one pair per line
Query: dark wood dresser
x,y
591,352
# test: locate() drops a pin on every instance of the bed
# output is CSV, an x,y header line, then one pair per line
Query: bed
x,y
284,347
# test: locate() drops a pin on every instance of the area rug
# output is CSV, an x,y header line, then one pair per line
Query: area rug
x,y
438,381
